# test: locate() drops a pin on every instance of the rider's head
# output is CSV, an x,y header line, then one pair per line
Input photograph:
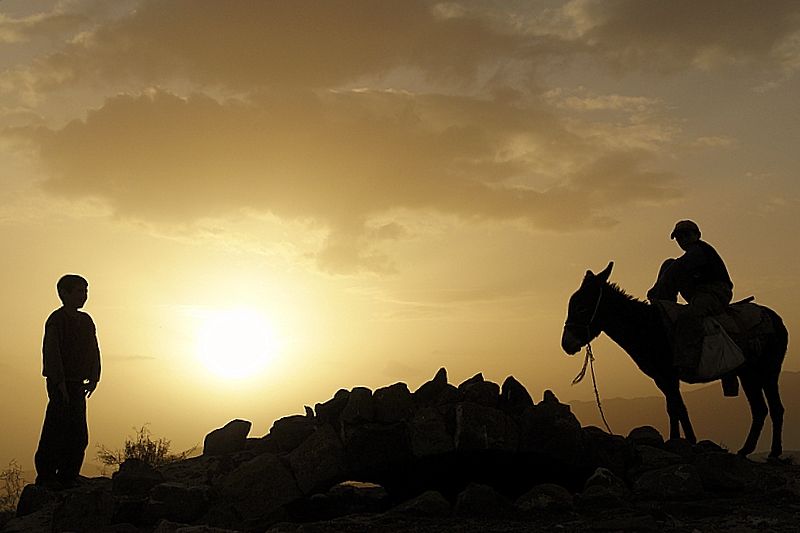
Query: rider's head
x,y
685,233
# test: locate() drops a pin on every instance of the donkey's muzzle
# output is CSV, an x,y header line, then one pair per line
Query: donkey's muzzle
x,y
570,343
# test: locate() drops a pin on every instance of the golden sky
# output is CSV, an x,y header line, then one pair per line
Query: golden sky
x,y
362,192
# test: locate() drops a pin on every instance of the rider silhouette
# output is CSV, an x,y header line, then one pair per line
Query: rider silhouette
x,y
701,278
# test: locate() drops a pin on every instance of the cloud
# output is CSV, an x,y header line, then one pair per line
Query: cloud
x,y
299,127
251,43
583,100
715,141
23,29
341,159
680,34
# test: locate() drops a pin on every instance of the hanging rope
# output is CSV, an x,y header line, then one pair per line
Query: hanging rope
x,y
582,373
589,362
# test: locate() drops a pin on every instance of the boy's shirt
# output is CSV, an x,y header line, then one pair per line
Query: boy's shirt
x,y
69,349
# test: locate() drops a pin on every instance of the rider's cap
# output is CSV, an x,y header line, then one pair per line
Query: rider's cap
x,y
684,225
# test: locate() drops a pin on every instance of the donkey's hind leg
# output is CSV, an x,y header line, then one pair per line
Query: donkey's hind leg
x,y
758,411
776,416
676,410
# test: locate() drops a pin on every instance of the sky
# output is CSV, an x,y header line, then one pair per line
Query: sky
x,y
275,200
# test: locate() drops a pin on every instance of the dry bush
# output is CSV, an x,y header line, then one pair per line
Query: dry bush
x,y
142,446
11,488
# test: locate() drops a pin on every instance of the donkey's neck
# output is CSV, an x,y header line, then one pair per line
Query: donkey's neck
x,y
626,321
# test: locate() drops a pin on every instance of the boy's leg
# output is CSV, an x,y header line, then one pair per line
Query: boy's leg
x,y
51,442
76,437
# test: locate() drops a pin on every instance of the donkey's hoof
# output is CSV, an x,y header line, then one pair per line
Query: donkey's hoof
x,y
775,454
744,452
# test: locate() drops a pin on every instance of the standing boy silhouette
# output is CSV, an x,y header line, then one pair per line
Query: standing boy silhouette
x,y
72,369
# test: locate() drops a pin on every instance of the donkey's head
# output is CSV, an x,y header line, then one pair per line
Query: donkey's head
x,y
581,326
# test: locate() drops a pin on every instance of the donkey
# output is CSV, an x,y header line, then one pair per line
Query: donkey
x,y
602,307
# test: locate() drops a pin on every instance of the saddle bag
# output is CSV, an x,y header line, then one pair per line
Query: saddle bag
x,y
720,354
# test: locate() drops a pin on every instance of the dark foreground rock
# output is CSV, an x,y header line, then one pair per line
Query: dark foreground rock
x,y
472,457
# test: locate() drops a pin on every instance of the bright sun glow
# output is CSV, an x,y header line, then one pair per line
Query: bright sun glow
x,y
235,343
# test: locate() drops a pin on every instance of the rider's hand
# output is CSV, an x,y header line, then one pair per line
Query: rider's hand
x,y
89,387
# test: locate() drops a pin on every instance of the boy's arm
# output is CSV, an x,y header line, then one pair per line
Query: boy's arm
x,y
52,364
94,374
95,371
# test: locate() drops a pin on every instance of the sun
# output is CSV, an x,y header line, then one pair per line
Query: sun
x,y
235,343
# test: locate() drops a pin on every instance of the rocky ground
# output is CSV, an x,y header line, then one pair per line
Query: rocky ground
x,y
771,503
474,457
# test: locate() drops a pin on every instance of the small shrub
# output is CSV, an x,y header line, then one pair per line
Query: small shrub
x,y
142,446
11,488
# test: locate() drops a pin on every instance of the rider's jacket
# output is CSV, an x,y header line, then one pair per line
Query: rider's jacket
x,y
699,271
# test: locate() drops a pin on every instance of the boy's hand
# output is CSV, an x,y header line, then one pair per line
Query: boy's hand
x,y
62,388
89,388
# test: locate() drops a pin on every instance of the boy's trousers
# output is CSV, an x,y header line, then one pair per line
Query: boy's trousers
x,y
65,435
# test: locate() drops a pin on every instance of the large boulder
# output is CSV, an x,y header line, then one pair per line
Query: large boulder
x,y
680,446
331,410
477,390
651,458
677,482
259,488
428,433
514,397
429,504
604,490
477,378
360,407
481,428
40,521
545,497
724,472
195,470
289,432
230,438
33,499
358,497
484,393
549,429
437,391
605,478
135,478
374,449
610,451
177,502
393,403
646,435
85,509
482,501
319,461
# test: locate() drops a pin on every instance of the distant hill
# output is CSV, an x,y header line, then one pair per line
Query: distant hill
x,y
714,417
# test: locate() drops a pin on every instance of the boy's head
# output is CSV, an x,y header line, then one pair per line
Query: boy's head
x,y
73,290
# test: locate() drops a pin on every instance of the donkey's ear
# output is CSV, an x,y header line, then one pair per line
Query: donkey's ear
x,y
606,272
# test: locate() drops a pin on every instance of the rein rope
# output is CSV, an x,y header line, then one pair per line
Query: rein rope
x,y
589,362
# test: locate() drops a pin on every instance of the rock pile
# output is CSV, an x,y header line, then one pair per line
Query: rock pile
x,y
478,449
